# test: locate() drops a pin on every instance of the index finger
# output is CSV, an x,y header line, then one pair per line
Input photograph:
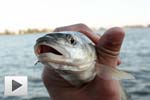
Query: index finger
x,y
83,29
80,28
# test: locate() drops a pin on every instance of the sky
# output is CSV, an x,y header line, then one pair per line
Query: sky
x,y
22,14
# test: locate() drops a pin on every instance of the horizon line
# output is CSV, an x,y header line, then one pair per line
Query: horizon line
x,y
94,27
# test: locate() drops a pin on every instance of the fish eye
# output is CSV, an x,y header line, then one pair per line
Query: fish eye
x,y
71,39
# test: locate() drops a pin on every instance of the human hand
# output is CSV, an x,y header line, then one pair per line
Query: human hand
x,y
107,47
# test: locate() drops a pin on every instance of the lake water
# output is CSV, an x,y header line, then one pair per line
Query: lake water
x,y
17,58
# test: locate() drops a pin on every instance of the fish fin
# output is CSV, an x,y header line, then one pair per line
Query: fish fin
x,y
36,63
123,92
109,73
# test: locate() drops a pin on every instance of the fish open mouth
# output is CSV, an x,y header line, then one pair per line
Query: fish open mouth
x,y
51,53
47,49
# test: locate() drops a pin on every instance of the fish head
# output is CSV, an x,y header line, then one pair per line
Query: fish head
x,y
63,47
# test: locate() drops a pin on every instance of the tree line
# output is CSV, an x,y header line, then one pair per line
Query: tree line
x,y
26,31
46,30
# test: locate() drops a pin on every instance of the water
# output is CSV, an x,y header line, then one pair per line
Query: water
x,y
17,58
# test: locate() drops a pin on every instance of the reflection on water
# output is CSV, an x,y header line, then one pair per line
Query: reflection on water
x,y
17,58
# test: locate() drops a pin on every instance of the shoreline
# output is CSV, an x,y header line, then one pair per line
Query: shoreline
x,y
46,30
25,31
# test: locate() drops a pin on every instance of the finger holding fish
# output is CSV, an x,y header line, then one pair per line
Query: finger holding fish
x,y
97,84
80,28
108,50
61,55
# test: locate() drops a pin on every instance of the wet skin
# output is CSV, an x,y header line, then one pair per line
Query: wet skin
x,y
98,89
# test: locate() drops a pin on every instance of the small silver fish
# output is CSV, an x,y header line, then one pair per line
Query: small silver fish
x,y
73,56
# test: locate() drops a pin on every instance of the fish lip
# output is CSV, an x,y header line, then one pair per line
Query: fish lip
x,y
62,51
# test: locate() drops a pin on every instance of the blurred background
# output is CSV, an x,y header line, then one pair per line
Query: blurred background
x,y
23,21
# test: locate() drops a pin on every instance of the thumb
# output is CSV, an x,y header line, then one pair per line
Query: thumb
x,y
109,46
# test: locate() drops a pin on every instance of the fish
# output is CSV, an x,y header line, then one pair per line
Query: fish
x,y
73,56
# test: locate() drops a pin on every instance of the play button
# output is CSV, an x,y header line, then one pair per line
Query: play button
x,y
15,85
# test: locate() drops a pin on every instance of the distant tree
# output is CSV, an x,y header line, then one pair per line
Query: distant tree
x,y
148,25
7,32
134,26
26,31
101,28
